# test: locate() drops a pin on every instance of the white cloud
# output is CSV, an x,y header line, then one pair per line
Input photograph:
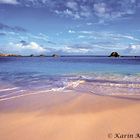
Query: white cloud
x,y
105,11
57,12
70,13
72,9
40,36
8,1
72,5
102,11
75,50
133,1
24,48
12,36
104,35
85,14
123,36
71,32
100,8
89,23
98,49
131,37
77,9
81,36
133,49
85,11
86,32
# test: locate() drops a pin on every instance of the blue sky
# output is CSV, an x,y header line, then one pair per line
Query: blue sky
x,y
95,27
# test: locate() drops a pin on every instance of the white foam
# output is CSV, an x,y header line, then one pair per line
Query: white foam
x,y
28,94
13,93
74,84
9,89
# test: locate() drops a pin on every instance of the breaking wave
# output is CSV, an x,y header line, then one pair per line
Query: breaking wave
x,y
103,84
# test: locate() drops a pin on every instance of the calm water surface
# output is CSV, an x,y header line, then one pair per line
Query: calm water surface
x,y
102,75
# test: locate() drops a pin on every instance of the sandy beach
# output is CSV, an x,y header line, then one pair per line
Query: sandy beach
x,y
68,116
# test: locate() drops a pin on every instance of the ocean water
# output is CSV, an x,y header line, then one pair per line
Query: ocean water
x,y
20,76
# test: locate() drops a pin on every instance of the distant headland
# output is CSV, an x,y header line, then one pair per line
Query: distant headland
x,y
32,55
9,55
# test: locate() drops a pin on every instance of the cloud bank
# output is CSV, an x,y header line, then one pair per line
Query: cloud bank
x,y
24,48
103,9
9,2
28,48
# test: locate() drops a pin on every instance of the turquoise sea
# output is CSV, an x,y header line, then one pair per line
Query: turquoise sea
x,y
100,75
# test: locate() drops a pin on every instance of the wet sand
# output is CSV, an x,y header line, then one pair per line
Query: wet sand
x,y
69,116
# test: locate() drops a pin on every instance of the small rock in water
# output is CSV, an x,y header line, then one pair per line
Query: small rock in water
x,y
114,54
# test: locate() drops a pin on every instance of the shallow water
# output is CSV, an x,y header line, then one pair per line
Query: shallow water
x,y
100,75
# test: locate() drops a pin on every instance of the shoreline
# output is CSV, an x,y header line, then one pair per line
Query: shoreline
x,y
102,56
69,116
